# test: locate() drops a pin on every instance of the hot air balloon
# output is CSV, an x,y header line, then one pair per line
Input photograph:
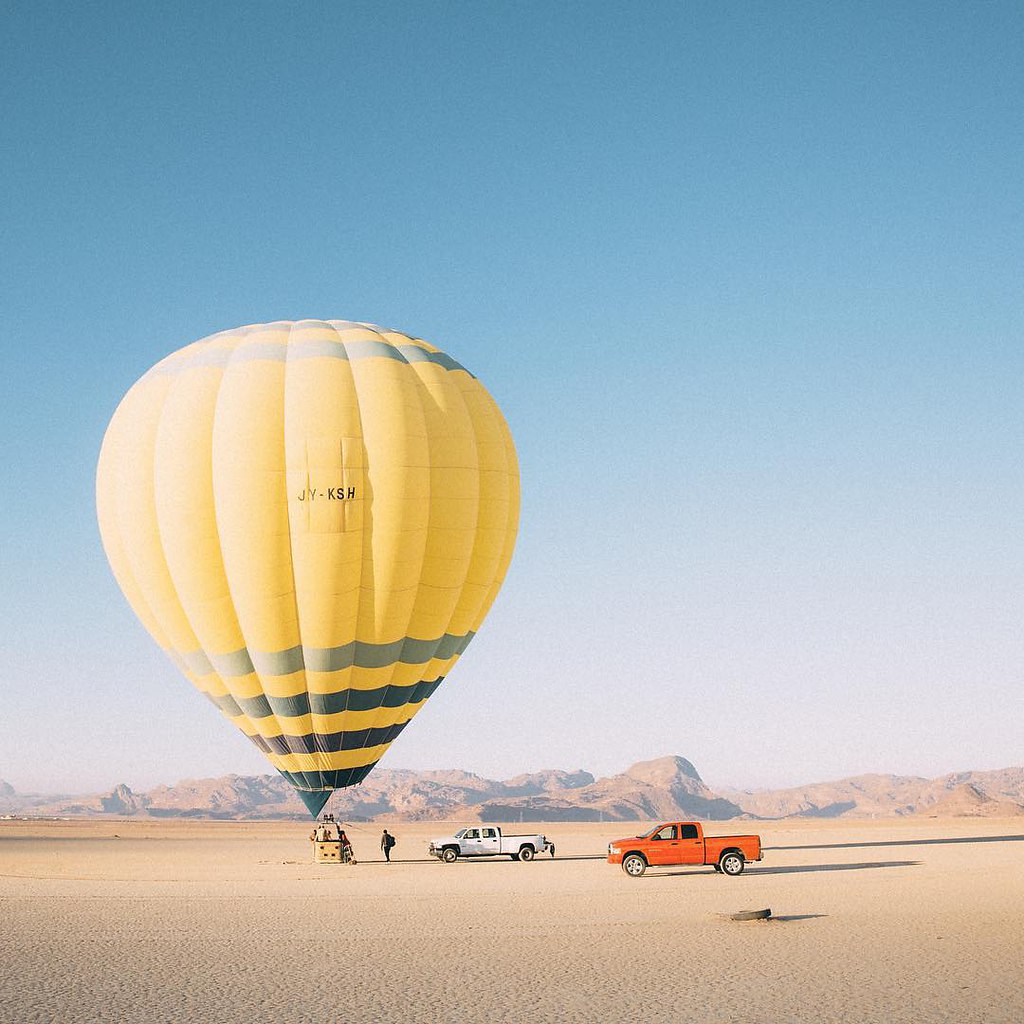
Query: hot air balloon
x,y
312,518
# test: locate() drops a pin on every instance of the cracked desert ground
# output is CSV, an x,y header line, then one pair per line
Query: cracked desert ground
x,y
145,921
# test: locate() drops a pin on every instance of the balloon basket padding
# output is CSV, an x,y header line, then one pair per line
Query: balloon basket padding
x,y
328,851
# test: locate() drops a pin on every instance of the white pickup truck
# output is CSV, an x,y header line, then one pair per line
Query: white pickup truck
x,y
487,841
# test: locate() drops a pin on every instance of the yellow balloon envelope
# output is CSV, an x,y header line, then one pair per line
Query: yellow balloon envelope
x,y
312,518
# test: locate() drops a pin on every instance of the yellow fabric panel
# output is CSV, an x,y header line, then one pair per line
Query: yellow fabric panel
x,y
343,721
185,509
251,500
211,684
242,723
394,435
126,478
253,685
324,762
396,674
454,497
512,524
495,498
108,488
355,721
324,451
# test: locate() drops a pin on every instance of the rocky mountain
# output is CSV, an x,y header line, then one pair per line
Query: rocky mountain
x,y
664,788
667,787
965,800
879,796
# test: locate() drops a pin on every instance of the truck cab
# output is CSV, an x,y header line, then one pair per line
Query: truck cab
x,y
479,841
683,842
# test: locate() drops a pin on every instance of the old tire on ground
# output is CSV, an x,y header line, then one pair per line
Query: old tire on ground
x,y
634,865
526,853
513,856
449,855
731,863
717,868
751,915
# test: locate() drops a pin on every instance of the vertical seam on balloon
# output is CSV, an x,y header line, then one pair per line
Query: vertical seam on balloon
x,y
405,631
419,388
156,519
512,516
366,534
227,582
454,387
288,520
472,413
118,532
227,579
163,547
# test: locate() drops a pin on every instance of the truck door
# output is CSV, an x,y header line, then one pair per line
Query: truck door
x,y
664,846
691,846
490,841
470,843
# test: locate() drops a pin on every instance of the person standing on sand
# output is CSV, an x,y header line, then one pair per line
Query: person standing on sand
x,y
347,853
387,840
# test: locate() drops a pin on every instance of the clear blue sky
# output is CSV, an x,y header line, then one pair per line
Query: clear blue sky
x,y
746,280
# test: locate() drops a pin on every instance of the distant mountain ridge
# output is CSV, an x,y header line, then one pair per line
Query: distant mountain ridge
x,y
666,787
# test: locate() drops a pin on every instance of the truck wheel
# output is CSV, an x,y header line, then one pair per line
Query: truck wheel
x,y
526,853
449,855
731,863
634,865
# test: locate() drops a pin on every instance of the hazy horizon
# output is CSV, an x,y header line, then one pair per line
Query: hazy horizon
x,y
504,776
745,282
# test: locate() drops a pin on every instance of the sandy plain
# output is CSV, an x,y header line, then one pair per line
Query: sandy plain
x,y
222,922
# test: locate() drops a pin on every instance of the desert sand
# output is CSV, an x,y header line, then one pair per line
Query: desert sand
x,y
145,921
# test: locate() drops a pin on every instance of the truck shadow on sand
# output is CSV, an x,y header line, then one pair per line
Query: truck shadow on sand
x,y
902,842
798,869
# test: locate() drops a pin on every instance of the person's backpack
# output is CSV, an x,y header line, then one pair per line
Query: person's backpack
x,y
391,841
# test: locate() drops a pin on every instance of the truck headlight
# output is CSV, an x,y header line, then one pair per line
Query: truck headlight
x,y
614,850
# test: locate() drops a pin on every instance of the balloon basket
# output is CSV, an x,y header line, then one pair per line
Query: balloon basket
x,y
328,852
328,847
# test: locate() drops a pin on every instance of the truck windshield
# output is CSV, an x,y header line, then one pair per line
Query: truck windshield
x,y
460,833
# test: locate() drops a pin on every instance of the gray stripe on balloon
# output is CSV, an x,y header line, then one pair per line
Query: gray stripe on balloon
x,y
311,348
263,706
407,651
314,743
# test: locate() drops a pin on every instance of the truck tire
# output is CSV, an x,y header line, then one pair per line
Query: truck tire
x,y
526,853
731,862
449,855
634,865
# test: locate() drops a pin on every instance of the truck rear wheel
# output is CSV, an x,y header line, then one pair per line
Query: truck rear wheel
x,y
526,853
449,855
732,863
634,865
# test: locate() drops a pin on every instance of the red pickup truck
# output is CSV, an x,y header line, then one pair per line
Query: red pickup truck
x,y
683,842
